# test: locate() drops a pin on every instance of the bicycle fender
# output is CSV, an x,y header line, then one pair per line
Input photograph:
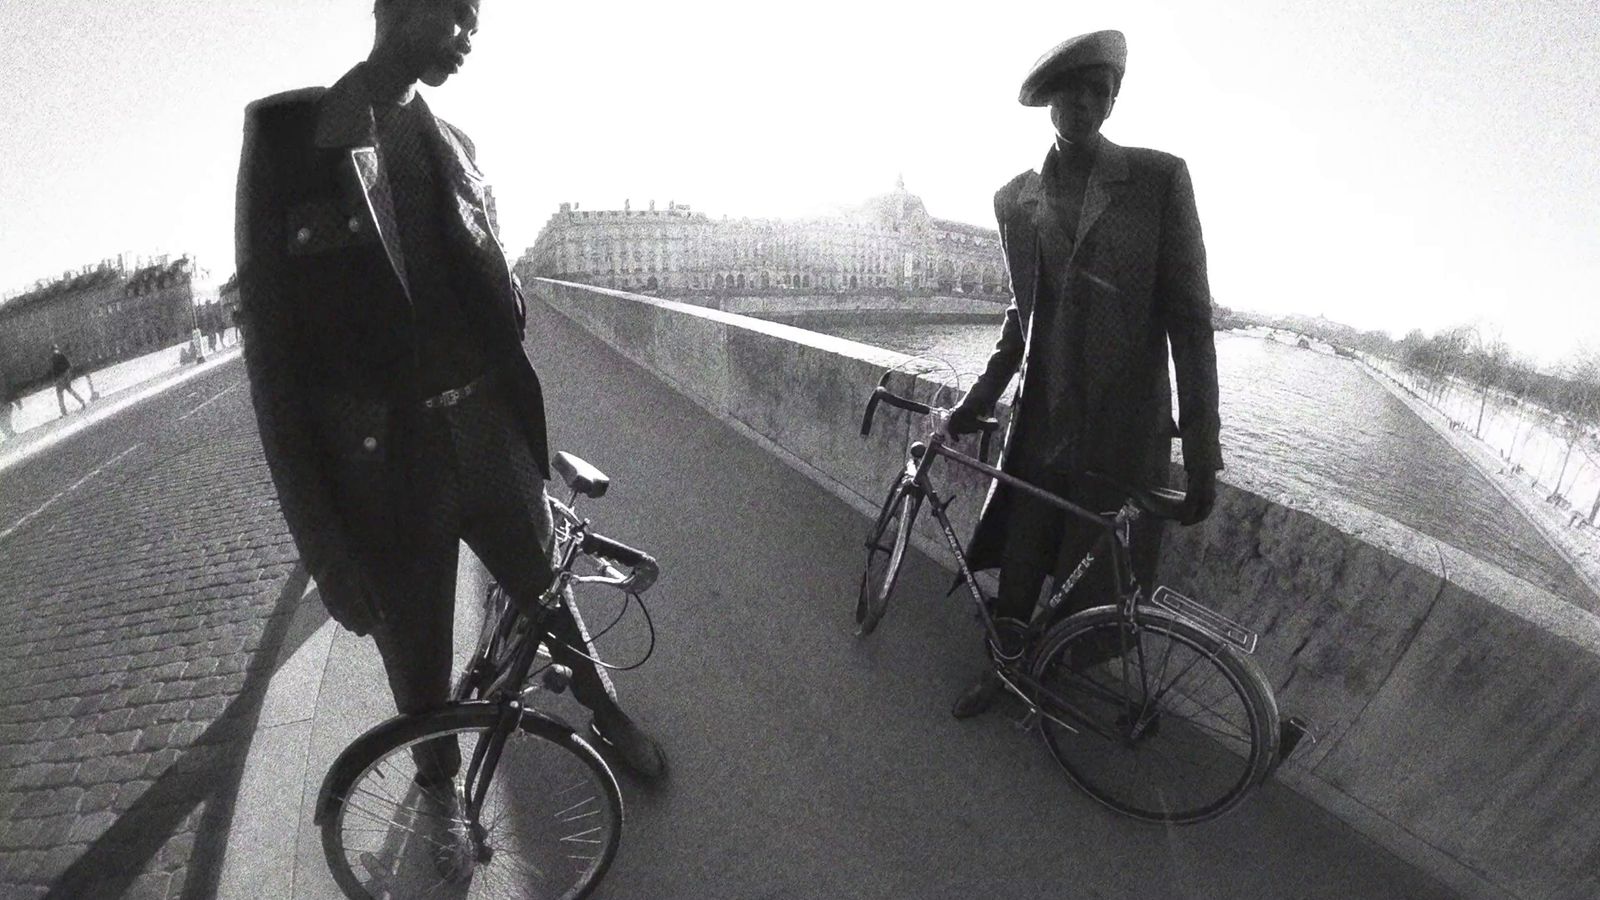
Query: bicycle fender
x,y
348,765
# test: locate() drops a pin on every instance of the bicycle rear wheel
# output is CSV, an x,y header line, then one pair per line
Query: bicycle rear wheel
x,y
551,820
1175,724
886,552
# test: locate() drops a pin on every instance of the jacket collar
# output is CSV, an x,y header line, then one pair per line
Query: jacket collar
x,y
1110,167
345,116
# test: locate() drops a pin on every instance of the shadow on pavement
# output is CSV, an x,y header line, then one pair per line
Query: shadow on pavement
x,y
207,773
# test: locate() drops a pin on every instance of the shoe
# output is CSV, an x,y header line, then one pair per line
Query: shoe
x,y
442,822
633,748
977,699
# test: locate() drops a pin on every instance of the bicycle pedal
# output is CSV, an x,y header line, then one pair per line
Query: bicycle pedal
x,y
1029,721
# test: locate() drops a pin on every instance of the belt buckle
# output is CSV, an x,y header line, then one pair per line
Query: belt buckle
x,y
448,398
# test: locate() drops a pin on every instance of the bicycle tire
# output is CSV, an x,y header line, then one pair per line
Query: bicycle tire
x,y
548,778
886,553
1189,744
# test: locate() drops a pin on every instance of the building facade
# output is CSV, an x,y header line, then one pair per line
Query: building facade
x,y
99,315
888,245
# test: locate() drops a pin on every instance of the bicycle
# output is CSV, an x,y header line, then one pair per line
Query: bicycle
x,y
1150,704
541,810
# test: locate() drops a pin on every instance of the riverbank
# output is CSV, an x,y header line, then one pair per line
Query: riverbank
x,y
1577,542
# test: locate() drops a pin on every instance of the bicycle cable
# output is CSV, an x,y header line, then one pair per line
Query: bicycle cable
x,y
649,623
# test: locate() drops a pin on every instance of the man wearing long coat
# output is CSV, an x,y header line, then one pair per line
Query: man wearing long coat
x,y
398,411
1107,268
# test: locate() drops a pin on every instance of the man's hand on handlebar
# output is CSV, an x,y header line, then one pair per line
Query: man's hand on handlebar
x,y
962,420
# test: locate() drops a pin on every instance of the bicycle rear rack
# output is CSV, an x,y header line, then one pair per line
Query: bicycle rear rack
x,y
1201,617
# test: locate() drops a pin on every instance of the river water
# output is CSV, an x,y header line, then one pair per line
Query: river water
x,y
1318,422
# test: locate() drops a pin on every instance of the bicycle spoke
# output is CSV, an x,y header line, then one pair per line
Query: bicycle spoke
x,y
1178,735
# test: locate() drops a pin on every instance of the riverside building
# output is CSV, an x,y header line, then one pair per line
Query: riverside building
x,y
888,245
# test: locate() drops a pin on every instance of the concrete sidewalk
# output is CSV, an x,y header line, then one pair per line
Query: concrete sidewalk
x,y
328,688
805,763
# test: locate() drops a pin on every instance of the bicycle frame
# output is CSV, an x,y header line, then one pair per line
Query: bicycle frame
x,y
1030,690
510,685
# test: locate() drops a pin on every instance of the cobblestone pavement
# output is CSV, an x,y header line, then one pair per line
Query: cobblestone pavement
x,y
144,585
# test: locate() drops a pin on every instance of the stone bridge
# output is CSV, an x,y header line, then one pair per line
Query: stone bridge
x,y
1454,701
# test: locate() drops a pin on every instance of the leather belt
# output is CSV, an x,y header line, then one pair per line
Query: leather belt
x,y
455,395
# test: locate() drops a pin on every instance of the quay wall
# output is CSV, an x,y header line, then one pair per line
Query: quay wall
x,y
1453,701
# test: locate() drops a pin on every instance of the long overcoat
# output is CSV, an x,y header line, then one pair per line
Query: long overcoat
x,y
330,331
1137,277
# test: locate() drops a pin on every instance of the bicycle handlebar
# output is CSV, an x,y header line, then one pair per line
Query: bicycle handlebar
x,y
986,424
645,571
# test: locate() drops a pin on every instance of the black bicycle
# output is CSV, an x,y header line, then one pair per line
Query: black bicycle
x,y
1150,703
538,808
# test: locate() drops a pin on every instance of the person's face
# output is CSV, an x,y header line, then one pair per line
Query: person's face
x,y
431,38
1081,101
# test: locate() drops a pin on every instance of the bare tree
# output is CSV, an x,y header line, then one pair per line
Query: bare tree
x,y
1578,402
1487,361
1518,378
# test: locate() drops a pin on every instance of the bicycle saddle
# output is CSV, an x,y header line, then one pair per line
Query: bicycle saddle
x,y
582,477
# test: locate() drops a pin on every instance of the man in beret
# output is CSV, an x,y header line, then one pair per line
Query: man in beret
x,y
398,411
1107,268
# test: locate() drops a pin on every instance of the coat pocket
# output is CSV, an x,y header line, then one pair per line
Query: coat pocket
x,y
354,436
322,226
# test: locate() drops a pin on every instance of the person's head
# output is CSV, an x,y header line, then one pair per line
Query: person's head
x,y
1081,100
424,40
1079,80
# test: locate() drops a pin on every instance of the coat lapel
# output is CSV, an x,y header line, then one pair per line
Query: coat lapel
x,y
345,125
473,209
1110,168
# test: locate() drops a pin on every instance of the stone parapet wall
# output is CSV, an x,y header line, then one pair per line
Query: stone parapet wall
x,y
1453,700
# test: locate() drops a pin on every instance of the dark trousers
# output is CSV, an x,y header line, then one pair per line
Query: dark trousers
x,y
1045,540
473,479
63,388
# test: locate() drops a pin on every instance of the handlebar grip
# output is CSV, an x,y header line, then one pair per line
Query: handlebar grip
x,y
600,545
884,394
872,406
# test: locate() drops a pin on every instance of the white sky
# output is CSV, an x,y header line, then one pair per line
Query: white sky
x,y
1387,163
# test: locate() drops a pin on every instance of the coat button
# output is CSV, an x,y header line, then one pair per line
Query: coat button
x,y
303,235
370,443
355,224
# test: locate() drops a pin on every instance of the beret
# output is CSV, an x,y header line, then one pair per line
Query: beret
x,y
1097,48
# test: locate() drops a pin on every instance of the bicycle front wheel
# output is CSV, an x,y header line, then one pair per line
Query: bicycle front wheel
x,y
550,822
1173,723
886,552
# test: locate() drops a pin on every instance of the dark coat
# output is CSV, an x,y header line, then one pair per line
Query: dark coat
x,y
331,343
1138,276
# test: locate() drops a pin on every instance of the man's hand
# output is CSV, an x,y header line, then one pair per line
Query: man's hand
x,y
964,420
1201,496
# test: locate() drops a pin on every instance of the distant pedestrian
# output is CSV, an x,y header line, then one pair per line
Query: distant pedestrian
x,y
61,371
9,404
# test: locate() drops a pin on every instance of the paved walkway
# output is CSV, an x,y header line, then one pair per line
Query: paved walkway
x,y
1577,544
806,763
171,691
40,424
142,575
